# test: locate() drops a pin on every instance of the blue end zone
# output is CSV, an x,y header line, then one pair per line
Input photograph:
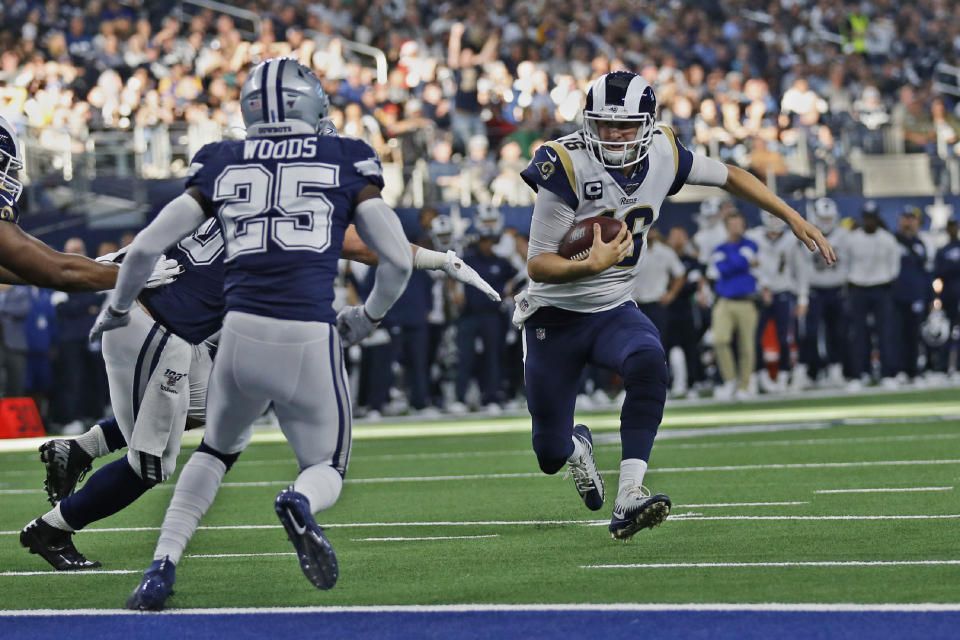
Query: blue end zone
x,y
808,625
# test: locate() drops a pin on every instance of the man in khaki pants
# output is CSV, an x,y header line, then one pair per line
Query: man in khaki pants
x,y
730,267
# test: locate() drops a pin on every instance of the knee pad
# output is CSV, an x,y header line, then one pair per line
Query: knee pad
x,y
645,367
226,458
152,469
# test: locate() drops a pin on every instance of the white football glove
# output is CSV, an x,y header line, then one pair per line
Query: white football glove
x,y
353,325
107,320
456,268
164,272
113,258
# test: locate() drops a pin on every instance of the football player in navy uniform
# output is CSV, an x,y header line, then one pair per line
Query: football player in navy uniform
x,y
284,197
621,164
158,365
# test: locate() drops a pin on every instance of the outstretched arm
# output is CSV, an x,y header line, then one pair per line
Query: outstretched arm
x,y
424,259
746,186
26,260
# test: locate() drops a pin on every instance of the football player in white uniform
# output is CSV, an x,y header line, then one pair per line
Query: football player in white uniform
x,y
621,164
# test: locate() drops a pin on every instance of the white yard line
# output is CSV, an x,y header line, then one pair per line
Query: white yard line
x,y
726,565
534,474
885,490
680,517
737,504
469,608
239,555
85,572
492,535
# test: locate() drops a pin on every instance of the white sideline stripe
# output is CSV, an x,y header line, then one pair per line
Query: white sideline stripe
x,y
534,474
492,535
506,523
707,416
67,573
724,565
830,607
737,504
891,490
240,555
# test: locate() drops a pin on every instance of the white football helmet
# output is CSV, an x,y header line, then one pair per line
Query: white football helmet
x,y
622,98
936,328
441,233
489,221
771,223
11,159
825,215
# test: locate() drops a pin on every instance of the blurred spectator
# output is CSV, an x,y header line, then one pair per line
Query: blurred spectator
x,y
731,269
79,365
482,323
40,328
663,278
14,310
912,292
874,256
683,317
783,281
947,269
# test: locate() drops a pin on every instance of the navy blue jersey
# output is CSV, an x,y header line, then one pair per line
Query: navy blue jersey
x,y
192,305
283,204
9,210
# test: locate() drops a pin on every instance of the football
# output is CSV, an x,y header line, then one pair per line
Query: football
x,y
578,240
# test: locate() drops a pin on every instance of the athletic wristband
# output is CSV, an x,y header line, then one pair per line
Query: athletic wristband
x,y
428,259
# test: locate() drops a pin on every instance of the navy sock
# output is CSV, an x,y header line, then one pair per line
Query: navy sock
x,y
110,489
645,381
112,434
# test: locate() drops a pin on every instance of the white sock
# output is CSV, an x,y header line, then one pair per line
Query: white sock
x,y
195,491
321,484
55,519
632,471
578,451
94,442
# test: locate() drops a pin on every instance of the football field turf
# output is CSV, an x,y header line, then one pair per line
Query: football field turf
x,y
813,501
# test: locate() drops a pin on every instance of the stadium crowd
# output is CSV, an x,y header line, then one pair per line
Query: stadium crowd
x,y
471,90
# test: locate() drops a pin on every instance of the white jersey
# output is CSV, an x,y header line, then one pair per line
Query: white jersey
x,y
782,266
708,238
827,276
663,266
572,186
874,258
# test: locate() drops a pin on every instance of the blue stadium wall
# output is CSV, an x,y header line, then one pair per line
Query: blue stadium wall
x,y
55,227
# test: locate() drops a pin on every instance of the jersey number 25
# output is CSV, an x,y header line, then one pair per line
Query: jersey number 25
x,y
248,194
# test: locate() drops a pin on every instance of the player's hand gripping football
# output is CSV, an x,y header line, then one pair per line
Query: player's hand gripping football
x,y
107,320
813,238
604,255
353,325
456,268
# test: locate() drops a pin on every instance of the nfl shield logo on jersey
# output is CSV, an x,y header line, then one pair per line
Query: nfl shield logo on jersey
x,y
541,333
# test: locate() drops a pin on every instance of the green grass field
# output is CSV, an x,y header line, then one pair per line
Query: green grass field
x,y
458,513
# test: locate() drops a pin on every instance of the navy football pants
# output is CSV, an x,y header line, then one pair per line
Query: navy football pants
x,y
559,344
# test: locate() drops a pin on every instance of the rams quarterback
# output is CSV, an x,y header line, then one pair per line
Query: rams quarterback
x,y
621,164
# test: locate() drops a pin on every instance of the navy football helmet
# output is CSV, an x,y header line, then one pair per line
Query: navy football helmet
x,y
11,159
282,96
622,98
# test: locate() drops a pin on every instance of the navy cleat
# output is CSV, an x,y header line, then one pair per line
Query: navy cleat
x,y
586,477
155,587
54,545
637,510
66,463
317,559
